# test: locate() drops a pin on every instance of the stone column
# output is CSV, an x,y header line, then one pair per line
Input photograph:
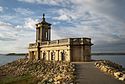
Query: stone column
x,y
38,51
41,34
49,34
82,55
48,55
67,56
35,57
30,55
58,54
40,54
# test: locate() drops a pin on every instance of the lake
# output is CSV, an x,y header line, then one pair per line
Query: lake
x,y
120,59
6,59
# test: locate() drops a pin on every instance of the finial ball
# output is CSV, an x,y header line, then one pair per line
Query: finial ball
x,y
43,14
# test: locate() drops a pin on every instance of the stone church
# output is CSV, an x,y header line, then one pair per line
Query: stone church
x,y
69,49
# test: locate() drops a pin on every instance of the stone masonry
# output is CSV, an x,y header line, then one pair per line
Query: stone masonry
x,y
70,49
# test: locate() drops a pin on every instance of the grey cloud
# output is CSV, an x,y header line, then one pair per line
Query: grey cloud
x,y
105,34
52,2
1,9
24,11
7,39
102,20
112,8
112,47
62,3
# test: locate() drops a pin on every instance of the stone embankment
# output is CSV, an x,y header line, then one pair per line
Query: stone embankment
x,y
111,68
24,71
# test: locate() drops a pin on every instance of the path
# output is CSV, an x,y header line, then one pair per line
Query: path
x,y
87,73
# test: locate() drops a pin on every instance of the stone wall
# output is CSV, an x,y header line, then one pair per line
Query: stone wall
x,y
81,53
71,49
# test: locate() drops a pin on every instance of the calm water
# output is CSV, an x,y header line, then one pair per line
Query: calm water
x,y
115,58
6,59
120,59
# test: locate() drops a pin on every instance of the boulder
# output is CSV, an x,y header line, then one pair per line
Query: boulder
x,y
112,68
97,65
118,74
122,78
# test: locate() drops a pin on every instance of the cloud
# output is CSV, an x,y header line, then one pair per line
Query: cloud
x,y
101,20
24,11
52,2
65,15
1,9
6,39
111,8
30,23
7,17
8,32
63,18
15,38
101,29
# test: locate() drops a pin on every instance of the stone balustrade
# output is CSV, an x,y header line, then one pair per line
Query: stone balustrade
x,y
32,45
72,41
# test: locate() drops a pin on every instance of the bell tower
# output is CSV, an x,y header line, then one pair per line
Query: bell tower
x,y
43,31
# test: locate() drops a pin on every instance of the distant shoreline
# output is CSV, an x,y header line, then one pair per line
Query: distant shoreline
x,y
107,53
23,54
15,54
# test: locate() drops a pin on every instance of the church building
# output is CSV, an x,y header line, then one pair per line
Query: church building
x,y
69,49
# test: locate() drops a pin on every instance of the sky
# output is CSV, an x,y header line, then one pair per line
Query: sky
x,y
101,20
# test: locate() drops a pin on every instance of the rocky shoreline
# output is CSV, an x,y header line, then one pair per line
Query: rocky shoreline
x,y
24,71
111,68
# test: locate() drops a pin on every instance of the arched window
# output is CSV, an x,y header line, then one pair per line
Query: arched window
x,y
44,55
63,56
53,55
32,55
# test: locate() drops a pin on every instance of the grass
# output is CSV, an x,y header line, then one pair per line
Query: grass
x,y
25,79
